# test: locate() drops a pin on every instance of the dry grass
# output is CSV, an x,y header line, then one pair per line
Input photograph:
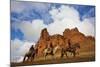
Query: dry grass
x,y
82,57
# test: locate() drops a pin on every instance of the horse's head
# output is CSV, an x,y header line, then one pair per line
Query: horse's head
x,y
32,46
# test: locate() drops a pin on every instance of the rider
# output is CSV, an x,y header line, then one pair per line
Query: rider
x,y
31,48
50,46
69,44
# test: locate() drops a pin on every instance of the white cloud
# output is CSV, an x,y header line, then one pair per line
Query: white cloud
x,y
15,44
31,30
65,12
68,17
87,27
64,17
18,49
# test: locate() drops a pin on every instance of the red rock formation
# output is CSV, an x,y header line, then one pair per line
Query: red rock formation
x,y
43,41
62,40
74,35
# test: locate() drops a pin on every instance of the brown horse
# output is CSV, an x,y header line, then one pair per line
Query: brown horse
x,y
72,49
31,54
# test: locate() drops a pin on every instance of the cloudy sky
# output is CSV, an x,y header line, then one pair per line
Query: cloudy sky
x,y
29,18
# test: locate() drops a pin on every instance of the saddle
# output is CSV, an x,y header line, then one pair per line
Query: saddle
x,y
70,49
49,50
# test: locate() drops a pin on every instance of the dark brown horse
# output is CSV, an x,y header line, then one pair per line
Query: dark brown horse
x,y
72,49
31,54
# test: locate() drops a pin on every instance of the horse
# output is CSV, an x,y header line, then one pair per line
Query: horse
x,y
30,54
71,49
50,51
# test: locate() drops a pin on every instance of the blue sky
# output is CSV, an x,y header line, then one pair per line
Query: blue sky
x,y
29,11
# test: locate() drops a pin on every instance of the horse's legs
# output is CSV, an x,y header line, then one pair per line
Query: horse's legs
x,y
29,58
77,52
52,54
45,55
71,53
32,58
24,58
66,54
74,54
62,53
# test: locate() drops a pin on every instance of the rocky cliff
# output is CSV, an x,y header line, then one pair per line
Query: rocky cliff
x,y
86,42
